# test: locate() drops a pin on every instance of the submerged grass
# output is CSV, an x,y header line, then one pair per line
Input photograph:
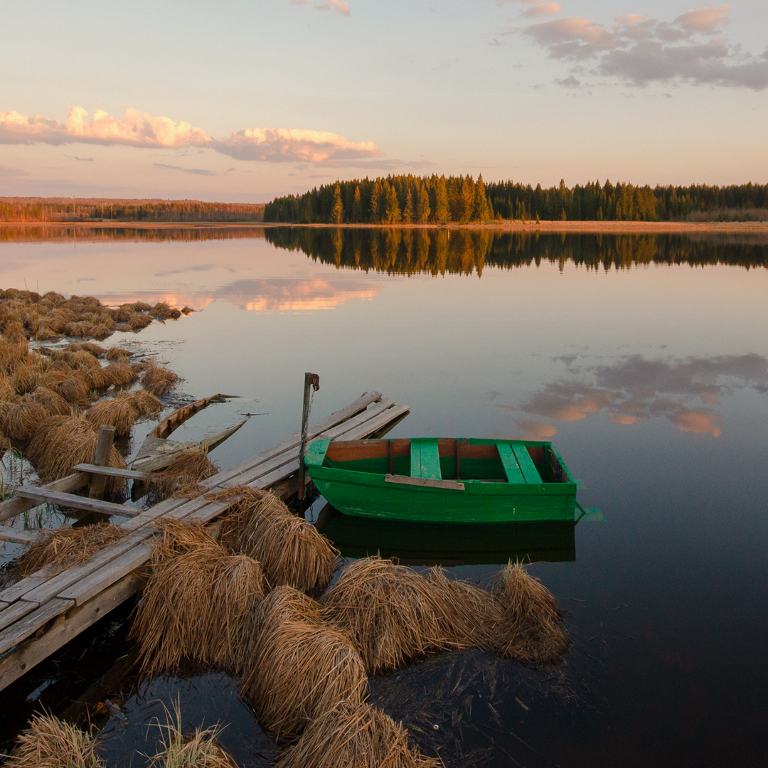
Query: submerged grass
x,y
158,379
354,735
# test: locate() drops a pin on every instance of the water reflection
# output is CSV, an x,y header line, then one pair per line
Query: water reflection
x,y
449,545
634,389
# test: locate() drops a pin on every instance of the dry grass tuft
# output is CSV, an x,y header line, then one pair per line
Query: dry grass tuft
x,y
54,403
64,547
158,380
356,735
144,402
391,614
299,669
117,353
533,629
117,413
12,354
20,418
178,537
52,743
198,750
163,311
120,374
71,385
184,474
291,551
62,442
139,322
200,605
473,616
14,332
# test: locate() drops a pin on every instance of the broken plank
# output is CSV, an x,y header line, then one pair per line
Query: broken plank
x,y
17,506
13,613
128,474
65,628
27,626
16,536
69,500
11,594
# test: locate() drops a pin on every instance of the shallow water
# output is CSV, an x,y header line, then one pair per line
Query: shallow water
x,y
643,358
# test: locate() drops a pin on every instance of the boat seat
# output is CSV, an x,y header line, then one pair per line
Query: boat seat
x,y
425,459
517,463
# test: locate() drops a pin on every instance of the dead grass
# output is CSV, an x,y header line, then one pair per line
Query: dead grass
x,y
62,442
28,376
184,474
158,379
120,374
71,385
299,670
54,403
117,413
144,402
62,548
357,735
51,743
117,353
178,537
200,605
200,749
291,551
12,354
139,322
163,311
14,332
20,418
534,629
391,614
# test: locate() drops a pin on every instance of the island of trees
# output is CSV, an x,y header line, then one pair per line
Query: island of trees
x,y
59,209
461,199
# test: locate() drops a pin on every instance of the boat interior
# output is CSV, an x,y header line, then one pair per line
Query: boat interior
x,y
455,459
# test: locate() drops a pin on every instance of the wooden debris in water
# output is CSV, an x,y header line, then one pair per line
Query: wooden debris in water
x,y
391,614
299,669
52,743
158,379
291,551
200,605
62,548
356,735
533,621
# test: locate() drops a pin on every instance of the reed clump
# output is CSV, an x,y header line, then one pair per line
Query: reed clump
x,y
51,743
158,379
61,442
390,613
299,669
62,548
357,735
20,417
199,606
116,412
533,621
291,551
117,353
182,477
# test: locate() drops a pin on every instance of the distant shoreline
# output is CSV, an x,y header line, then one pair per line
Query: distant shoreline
x,y
575,227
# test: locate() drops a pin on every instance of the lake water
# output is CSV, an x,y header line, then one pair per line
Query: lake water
x,y
643,358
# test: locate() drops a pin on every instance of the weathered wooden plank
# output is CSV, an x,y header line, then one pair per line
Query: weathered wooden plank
x,y
18,505
426,456
293,441
509,462
527,467
15,612
17,536
30,653
11,594
21,630
52,586
424,482
90,586
128,474
69,500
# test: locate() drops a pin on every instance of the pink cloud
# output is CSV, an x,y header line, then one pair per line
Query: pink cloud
x,y
697,421
703,19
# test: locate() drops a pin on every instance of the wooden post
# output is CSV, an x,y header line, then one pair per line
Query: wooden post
x,y
311,380
103,450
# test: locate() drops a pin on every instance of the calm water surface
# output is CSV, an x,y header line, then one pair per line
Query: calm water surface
x,y
644,359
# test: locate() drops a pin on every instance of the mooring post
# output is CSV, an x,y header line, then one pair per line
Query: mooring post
x,y
311,381
103,449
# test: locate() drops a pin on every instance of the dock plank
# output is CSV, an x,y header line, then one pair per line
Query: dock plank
x,y
16,536
70,501
16,506
27,626
15,612
21,587
128,474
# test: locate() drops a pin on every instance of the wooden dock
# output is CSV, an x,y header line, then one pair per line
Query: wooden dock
x,y
42,612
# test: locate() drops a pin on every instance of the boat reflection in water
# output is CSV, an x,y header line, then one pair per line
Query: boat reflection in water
x,y
450,544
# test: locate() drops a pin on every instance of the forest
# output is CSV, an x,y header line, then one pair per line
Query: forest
x,y
39,209
460,199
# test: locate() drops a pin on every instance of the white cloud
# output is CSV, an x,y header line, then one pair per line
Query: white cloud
x,y
137,129
640,50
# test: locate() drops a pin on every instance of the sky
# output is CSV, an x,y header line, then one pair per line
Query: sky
x,y
243,100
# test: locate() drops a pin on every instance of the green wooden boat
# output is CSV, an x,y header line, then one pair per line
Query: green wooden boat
x,y
444,480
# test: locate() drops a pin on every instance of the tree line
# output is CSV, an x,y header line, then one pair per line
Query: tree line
x,y
440,200
34,209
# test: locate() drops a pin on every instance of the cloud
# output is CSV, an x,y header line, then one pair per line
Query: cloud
x,y
640,50
282,145
536,7
9,172
697,421
538,430
338,6
195,171
137,129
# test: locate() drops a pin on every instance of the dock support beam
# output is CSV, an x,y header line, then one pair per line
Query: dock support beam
x,y
103,450
311,381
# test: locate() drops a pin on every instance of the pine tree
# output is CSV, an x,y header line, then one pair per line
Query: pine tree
x,y
480,212
392,210
408,210
442,214
337,211
374,215
357,206
422,205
